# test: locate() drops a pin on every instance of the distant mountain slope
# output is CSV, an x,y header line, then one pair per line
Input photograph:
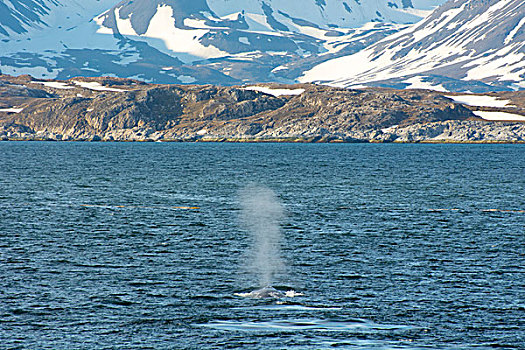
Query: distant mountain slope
x,y
19,18
17,15
192,41
464,45
213,28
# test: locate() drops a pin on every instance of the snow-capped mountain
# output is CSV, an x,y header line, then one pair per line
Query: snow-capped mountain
x,y
186,41
465,45
217,28
27,17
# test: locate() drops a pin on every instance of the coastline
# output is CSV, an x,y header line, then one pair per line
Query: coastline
x,y
133,111
287,140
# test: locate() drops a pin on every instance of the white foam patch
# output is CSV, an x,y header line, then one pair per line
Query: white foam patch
x,y
275,92
283,305
500,116
288,294
293,294
296,324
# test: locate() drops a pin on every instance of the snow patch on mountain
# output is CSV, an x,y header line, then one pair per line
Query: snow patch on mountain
x,y
213,28
480,100
96,86
211,41
19,18
420,83
275,92
467,40
55,85
513,32
162,27
500,116
11,110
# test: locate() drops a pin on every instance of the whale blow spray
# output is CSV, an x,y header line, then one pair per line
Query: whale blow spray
x,y
261,214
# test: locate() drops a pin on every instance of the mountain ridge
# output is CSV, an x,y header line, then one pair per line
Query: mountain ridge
x,y
205,41
462,46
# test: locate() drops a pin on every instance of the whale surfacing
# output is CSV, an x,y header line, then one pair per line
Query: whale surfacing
x,y
269,292
266,292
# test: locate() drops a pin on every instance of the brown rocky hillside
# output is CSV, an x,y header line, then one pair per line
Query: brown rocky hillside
x,y
129,110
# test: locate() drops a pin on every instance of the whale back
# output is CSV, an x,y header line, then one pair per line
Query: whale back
x,y
266,292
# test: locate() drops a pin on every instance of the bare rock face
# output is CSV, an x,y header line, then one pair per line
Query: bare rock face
x,y
112,109
458,131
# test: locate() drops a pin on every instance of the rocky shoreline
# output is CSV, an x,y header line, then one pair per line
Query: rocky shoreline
x,y
111,109
437,132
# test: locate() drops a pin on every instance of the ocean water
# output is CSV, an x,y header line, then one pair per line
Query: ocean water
x,y
143,246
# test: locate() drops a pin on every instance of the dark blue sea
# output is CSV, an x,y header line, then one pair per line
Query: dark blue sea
x,y
141,246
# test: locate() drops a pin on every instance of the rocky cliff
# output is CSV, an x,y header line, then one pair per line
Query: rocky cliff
x,y
112,109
